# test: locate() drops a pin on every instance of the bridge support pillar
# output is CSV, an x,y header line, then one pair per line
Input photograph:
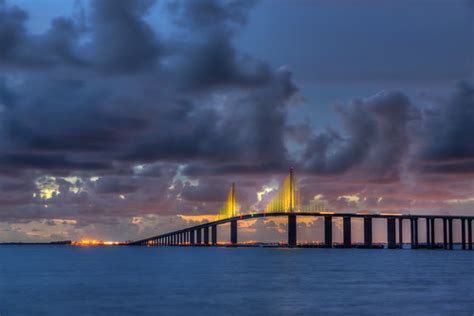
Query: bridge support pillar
x,y
414,232
198,236
433,234
191,237
368,232
400,233
450,234
428,234
206,235
463,234
445,233
233,232
391,233
328,231
347,231
214,234
292,230
469,233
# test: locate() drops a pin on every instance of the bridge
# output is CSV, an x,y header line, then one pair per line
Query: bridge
x,y
286,203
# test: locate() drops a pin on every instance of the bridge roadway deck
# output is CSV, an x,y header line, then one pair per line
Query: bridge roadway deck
x,y
316,214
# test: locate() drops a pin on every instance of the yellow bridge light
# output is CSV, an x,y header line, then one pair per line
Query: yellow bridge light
x,y
287,198
229,209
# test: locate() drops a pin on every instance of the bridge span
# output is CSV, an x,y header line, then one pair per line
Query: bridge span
x,y
199,235
286,203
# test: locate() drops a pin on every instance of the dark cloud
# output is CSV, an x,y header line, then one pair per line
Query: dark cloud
x,y
115,185
104,120
209,190
448,128
376,137
121,40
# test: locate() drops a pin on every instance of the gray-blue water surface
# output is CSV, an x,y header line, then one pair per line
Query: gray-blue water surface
x,y
68,280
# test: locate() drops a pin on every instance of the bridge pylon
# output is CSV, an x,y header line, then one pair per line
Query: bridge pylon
x,y
229,209
286,200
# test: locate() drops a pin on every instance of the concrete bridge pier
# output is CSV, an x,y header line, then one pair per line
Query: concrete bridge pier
x,y
450,234
400,233
391,233
433,235
414,232
328,231
214,234
368,232
233,232
347,231
198,236
191,237
292,230
445,233
463,234
469,233
428,234
206,235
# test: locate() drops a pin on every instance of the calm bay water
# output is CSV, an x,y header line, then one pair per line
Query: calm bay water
x,y
67,280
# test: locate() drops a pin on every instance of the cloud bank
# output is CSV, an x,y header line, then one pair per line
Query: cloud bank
x,y
106,121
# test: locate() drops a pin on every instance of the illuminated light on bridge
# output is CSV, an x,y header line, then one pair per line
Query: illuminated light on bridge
x,y
229,209
287,198
286,203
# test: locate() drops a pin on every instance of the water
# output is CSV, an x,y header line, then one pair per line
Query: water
x,y
67,280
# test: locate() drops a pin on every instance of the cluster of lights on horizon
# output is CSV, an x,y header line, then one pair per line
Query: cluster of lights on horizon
x,y
94,242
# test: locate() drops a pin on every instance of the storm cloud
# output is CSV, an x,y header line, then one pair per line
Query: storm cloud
x,y
107,120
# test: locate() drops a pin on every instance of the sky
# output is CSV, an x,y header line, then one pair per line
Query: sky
x,y
125,119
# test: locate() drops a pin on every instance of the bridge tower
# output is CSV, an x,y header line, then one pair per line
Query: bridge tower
x,y
229,209
286,200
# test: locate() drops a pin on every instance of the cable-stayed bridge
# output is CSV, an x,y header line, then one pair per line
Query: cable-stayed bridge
x,y
286,203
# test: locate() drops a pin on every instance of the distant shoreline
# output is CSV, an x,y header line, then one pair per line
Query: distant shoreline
x,y
65,242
